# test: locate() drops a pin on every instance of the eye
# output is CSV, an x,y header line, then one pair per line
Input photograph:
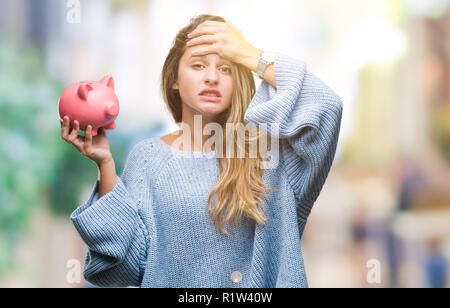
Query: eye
x,y
227,69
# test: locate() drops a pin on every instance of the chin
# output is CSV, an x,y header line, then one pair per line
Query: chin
x,y
210,110
209,114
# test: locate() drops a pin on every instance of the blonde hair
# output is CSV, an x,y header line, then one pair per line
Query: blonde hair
x,y
240,191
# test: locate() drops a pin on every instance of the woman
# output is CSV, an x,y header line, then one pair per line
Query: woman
x,y
162,223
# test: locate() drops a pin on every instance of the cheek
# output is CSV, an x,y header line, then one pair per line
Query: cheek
x,y
189,87
189,82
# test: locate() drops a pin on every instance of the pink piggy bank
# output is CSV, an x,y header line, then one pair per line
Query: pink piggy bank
x,y
90,103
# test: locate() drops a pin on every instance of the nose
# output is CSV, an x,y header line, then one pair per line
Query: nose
x,y
212,76
112,109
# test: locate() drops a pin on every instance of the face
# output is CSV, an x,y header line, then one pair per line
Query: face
x,y
198,73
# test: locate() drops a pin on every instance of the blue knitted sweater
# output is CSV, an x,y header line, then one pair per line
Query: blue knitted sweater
x,y
153,229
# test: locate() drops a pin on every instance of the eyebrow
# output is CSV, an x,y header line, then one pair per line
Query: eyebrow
x,y
204,56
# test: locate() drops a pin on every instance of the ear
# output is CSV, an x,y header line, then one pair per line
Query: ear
x,y
108,81
83,90
175,86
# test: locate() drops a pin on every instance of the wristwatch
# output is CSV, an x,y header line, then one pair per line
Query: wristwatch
x,y
265,60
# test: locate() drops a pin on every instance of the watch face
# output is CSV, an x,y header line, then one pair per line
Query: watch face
x,y
268,56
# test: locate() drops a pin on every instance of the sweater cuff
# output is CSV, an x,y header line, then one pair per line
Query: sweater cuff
x,y
282,106
107,224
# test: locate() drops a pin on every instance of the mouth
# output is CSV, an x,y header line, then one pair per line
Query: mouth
x,y
213,99
210,95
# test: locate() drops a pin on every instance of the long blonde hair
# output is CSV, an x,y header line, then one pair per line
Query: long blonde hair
x,y
240,191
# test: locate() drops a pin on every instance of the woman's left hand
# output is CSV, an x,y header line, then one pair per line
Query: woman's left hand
x,y
223,39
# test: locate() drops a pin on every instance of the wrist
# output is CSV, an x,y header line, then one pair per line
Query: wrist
x,y
251,58
106,163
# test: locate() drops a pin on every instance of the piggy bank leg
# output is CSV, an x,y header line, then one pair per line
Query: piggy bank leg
x,y
112,125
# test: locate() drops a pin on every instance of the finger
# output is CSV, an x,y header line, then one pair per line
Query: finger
x,y
88,133
65,127
79,142
204,39
202,30
74,133
213,23
200,51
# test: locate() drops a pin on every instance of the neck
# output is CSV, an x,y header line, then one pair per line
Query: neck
x,y
193,125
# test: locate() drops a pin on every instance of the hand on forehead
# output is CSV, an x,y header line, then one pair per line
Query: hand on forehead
x,y
206,57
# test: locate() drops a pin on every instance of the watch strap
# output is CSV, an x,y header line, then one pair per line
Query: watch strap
x,y
262,65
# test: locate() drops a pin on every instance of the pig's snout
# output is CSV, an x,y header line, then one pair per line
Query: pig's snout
x,y
112,109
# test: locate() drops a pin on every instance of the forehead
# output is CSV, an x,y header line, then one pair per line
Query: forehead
x,y
210,57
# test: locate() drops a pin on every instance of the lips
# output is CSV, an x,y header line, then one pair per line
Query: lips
x,y
210,98
213,99
210,90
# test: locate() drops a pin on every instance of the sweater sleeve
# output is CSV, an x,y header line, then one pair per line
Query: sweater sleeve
x,y
114,232
308,115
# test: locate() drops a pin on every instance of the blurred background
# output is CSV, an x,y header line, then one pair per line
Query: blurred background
x,y
383,216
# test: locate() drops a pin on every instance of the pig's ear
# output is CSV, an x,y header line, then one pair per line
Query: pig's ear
x,y
108,81
83,90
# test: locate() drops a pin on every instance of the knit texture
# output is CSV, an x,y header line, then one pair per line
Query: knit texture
x,y
153,229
